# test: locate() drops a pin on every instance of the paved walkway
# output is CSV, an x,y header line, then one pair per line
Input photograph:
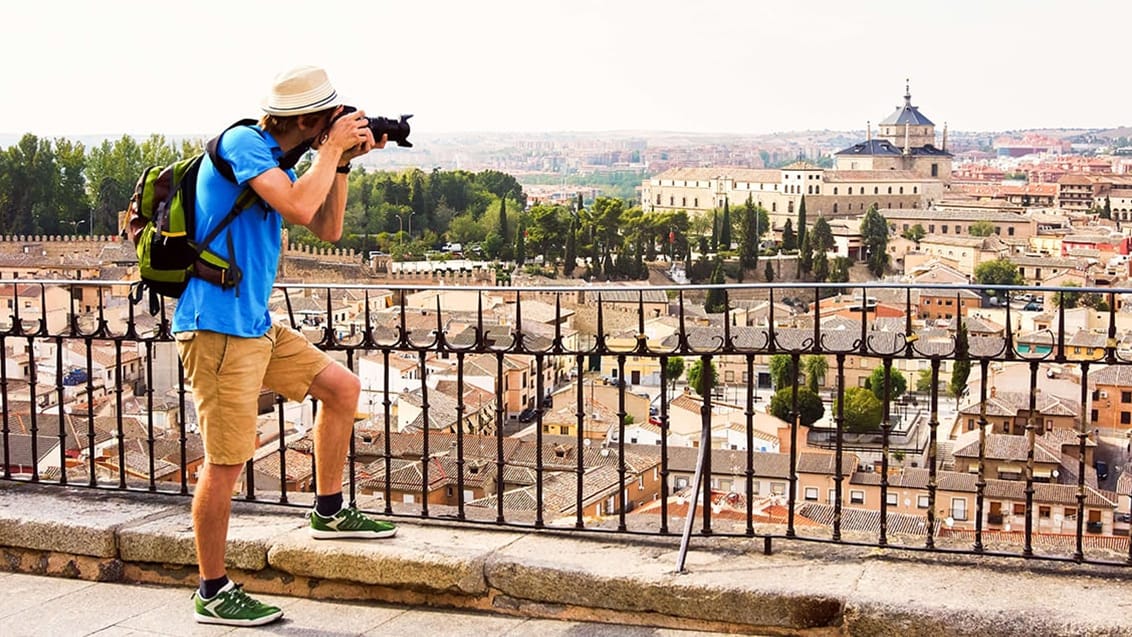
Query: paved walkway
x,y
47,606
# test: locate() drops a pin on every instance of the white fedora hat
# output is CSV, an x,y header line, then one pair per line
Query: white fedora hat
x,y
301,90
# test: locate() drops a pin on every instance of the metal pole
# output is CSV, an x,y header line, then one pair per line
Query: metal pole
x,y
697,481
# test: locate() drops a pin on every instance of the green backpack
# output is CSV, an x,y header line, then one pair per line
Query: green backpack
x,y
161,222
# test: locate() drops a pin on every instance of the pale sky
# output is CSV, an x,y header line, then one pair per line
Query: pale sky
x,y
736,66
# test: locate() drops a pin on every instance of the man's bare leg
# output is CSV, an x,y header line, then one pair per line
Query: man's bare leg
x,y
212,507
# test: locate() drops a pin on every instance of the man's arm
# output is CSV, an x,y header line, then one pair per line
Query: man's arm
x,y
327,222
318,198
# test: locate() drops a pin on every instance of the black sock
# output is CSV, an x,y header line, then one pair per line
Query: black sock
x,y
210,587
328,505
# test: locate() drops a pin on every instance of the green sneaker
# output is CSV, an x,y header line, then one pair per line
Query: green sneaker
x,y
233,607
349,523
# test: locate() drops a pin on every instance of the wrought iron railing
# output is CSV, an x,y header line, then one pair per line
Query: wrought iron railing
x,y
522,407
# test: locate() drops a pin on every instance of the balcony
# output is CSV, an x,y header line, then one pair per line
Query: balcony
x,y
470,465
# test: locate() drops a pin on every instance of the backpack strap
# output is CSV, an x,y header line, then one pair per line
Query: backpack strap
x,y
231,275
213,150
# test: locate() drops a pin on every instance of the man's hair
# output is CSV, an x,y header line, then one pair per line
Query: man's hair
x,y
282,124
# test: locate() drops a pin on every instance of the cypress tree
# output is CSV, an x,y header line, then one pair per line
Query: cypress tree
x,y
716,300
714,231
725,227
801,220
503,217
805,256
789,241
571,256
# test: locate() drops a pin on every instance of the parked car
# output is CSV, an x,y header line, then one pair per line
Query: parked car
x,y
612,380
1102,469
527,415
76,376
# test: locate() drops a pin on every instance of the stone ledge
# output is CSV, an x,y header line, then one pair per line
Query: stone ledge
x,y
729,585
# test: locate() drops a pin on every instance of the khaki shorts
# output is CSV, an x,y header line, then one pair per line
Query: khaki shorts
x,y
226,374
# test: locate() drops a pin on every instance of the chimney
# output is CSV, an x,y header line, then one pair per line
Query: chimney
x,y
944,149
868,131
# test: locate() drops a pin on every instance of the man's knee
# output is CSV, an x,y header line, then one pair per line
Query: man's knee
x,y
337,386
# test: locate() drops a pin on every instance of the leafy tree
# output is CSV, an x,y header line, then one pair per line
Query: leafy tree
x,y
1106,212
998,272
1069,299
915,233
924,381
769,272
816,368
674,369
862,410
874,234
501,185
981,228
810,407
701,382
962,367
782,372
897,383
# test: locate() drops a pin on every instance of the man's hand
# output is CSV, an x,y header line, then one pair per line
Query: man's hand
x,y
352,135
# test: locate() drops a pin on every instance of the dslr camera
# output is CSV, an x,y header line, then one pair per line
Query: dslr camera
x,y
396,129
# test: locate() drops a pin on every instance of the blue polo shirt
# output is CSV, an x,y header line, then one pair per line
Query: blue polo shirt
x,y
255,239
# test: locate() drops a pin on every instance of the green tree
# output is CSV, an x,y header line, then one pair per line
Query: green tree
x,y
874,234
789,240
725,227
570,259
714,231
701,382
998,272
502,228
816,367
782,372
962,367
839,270
810,407
1069,299
802,229
674,369
716,300
924,381
820,266
520,243
915,233
981,228
769,272
821,237
805,256
862,410
897,383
